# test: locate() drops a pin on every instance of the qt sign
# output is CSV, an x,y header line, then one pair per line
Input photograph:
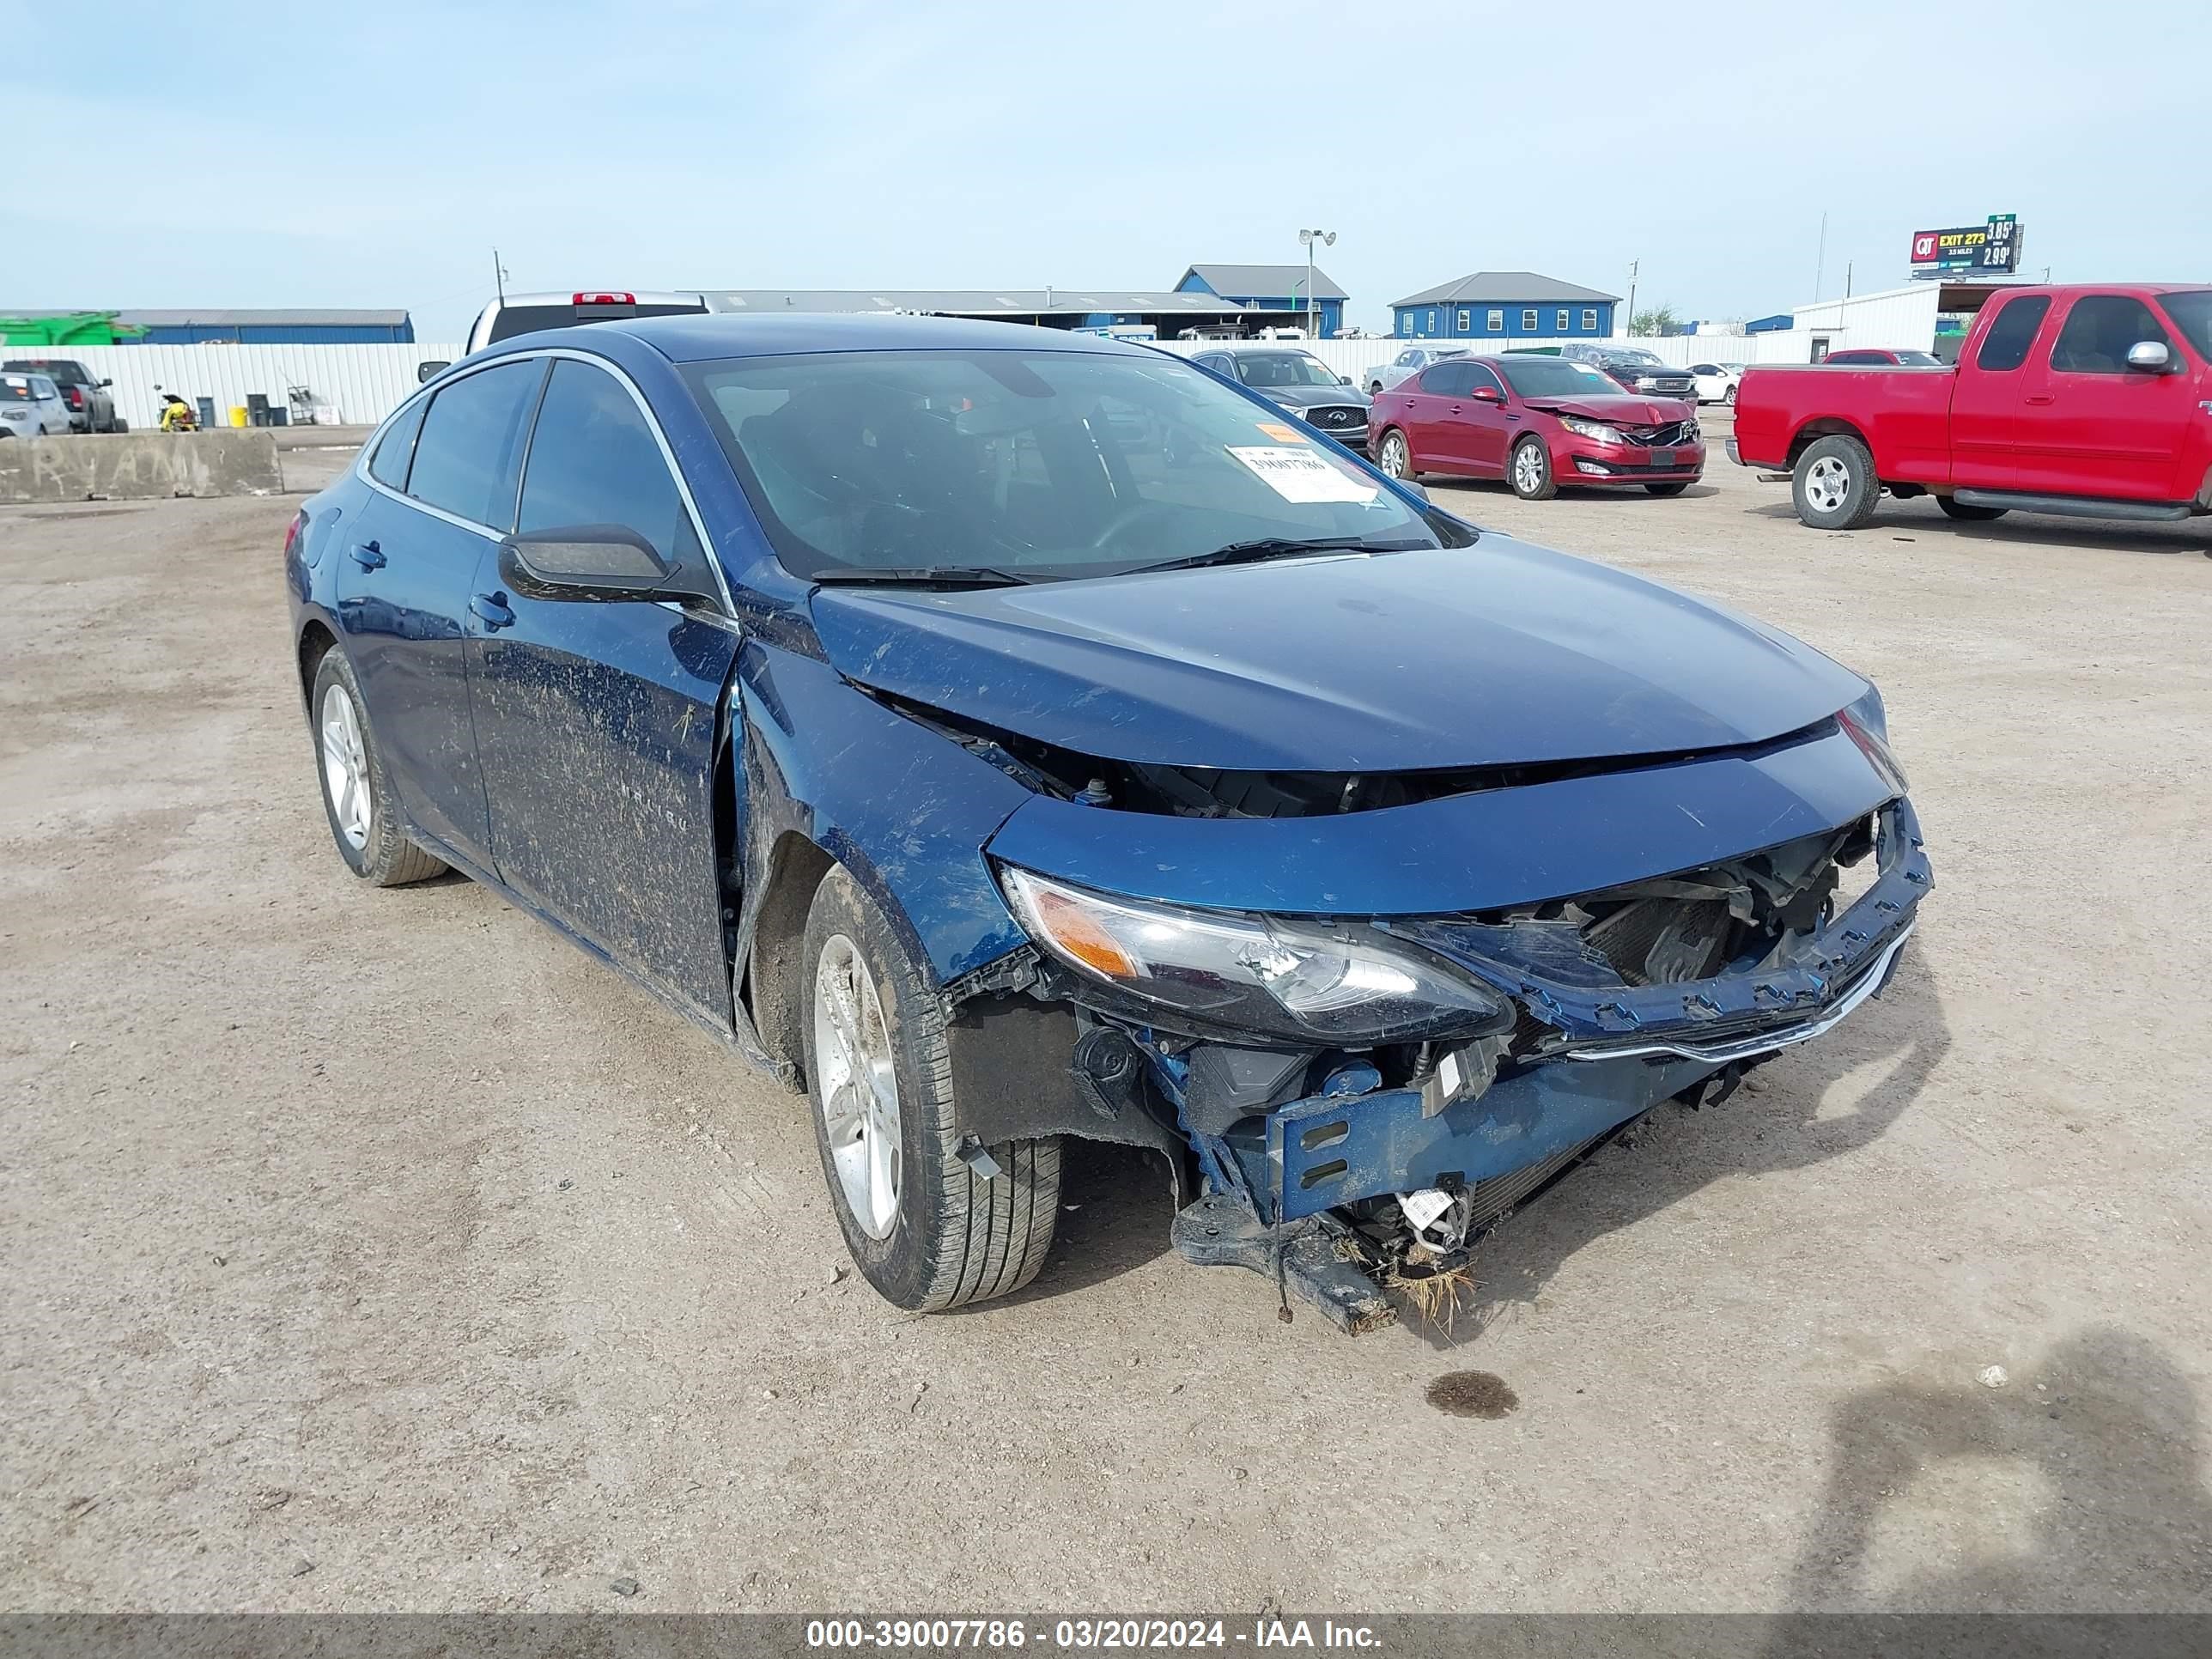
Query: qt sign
x,y
1986,249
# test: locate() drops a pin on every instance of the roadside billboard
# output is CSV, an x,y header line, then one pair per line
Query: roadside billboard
x,y
1985,250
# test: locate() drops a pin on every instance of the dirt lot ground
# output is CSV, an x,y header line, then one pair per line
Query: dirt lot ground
x,y
377,1249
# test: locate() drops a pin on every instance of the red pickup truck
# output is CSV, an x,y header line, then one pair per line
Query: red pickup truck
x,y
2093,401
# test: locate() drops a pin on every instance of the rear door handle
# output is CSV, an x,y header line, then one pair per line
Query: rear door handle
x,y
369,556
490,610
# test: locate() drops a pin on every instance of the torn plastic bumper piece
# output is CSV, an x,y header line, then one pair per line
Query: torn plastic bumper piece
x,y
1326,1152
1223,1230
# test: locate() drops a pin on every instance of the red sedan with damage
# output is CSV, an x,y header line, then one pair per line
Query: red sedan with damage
x,y
1537,422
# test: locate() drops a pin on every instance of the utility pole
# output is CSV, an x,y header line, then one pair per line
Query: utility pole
x,y
1633,265
1820,258
1328,238
499,276
1847,279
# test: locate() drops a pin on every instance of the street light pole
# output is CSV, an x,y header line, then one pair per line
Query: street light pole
x,y
1631,330
1328,239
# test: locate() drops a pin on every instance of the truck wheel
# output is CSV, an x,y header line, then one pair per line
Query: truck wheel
x,y
1835,486
1395,459
1529,471
927,1231
1965,512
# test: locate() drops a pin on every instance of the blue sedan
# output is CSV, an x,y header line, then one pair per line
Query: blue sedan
x,y
1002,735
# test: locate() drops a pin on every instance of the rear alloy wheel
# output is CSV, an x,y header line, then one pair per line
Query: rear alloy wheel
x,y
1531,471
1966,512
1729,397
930,1228
357,798
1834,485
1393,457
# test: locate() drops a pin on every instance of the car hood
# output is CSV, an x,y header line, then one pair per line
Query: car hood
x,y
1305,397
1622,409
1501,654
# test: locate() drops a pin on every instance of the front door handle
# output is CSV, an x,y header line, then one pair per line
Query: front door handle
x,y
1453,408
369,556
2040,398
490,610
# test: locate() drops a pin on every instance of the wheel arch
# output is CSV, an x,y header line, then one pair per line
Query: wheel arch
x,y
315,642
1824,426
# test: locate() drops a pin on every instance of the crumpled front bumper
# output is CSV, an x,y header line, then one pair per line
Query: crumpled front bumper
x,y
1619,1050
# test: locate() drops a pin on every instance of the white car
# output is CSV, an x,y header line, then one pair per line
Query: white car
x,y
32,406
1412,360
1717,382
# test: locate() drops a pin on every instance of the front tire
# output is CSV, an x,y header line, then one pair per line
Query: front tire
x,y
1673,488
1394,456
1833,484
1529,471
357,795
1966,512
1729,397
927,1230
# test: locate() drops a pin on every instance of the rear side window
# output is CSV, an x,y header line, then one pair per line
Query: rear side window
x,y
2005,346
593,459
2099,333
388,467
471,446
1444,379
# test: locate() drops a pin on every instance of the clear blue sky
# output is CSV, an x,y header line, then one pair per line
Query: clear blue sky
x,y
343,154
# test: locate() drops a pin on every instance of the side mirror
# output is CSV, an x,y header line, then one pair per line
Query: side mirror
x,y
1418,491
1344,379
426,372
106,383
2151,356
1487,394
600,563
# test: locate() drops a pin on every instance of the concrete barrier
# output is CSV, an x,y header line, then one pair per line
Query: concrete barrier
x,y
140,466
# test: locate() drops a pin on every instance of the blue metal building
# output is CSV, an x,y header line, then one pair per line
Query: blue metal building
x,y
272,327
1504,305
1277,289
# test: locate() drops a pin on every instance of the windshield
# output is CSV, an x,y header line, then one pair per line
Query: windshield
x,y
2193,315
1283,368
1043,464
1633,355
1555,377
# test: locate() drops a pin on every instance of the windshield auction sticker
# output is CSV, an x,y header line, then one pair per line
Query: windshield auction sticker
x,y
1278,432
1303,474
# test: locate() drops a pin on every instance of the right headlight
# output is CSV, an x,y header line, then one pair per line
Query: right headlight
x,y
1306,982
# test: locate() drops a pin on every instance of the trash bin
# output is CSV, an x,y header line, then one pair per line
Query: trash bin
x,y
238,414
279,417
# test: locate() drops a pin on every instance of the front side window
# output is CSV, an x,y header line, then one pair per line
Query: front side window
x,y
1477,377
593,461
388,467
2100,331
2005,346
469,451
1044,463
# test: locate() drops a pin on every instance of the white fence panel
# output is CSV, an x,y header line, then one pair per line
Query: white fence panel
x,y
1357,357
352,385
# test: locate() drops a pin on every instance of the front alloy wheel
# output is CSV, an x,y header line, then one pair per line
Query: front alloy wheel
x,y
1530,472
858,1089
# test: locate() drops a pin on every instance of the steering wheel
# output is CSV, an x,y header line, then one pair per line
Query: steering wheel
x,y
1111,532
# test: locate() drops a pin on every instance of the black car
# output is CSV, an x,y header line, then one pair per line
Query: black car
x,y
1300,382
1634,369
91,405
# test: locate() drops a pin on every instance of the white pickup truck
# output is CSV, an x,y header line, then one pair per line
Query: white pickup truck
x,y
1412,360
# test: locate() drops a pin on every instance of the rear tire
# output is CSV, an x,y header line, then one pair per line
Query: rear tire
x,y
1833,484
357,795
1966,512
925,1230
1528,469
1674,488
1729,397
1394,455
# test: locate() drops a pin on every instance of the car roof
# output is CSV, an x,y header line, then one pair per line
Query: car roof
x,y
688,339
569,297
